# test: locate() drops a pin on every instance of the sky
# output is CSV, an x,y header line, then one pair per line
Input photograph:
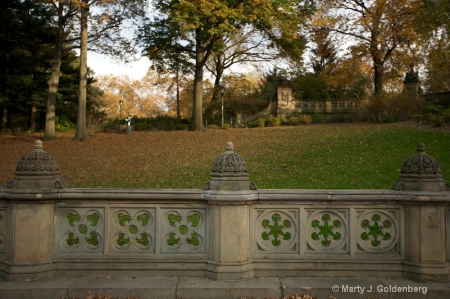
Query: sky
x,y
103,65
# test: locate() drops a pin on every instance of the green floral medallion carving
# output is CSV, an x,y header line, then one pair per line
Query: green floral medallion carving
x,y
275,229
326,230
376,230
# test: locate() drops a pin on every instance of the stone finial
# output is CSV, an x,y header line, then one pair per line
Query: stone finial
x,y
229,172
421,148
420,172
37,170
229,162
38,146
229,147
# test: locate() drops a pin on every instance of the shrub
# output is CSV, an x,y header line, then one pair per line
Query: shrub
x,y
19,122
273,121
389,108
306,119
63,124
293,121
259,123
436,115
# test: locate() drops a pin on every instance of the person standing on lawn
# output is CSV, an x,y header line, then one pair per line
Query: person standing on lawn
x,y
129,121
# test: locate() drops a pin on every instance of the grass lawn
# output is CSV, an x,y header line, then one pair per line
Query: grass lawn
x,y
320,156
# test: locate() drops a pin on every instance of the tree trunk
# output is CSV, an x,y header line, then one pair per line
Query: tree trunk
x,y
219,73
197,108
378,78
177,79
5,99
4,116
54,82
33,116
81,115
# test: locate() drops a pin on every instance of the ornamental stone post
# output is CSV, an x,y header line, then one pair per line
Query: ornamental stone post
x,y
411,84
425,220
30,198
285,102
229,193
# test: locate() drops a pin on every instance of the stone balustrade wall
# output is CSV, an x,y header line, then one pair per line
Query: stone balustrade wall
x,y
228,230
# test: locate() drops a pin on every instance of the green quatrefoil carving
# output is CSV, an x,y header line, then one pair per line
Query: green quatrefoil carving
x,y
193,238
93,220
376,230
276,229
326,230
142,219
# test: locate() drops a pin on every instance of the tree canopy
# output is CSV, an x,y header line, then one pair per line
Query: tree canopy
x,y
379,27
350,49
196,28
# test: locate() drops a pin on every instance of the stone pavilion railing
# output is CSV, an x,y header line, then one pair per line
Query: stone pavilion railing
x,y
227,230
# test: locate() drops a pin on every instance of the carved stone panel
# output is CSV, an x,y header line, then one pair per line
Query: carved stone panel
x,y
277,231
132,230
327,231
80,230
183,231
377,231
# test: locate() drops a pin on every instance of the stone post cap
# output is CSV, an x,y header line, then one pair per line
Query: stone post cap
x,y
229,172
37,170
411,76
420,172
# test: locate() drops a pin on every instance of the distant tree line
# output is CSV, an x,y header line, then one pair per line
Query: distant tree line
x,y
338,48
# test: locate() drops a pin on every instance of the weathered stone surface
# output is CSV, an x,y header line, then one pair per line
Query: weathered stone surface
x,y
420,172
230,232
229,172
37,170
